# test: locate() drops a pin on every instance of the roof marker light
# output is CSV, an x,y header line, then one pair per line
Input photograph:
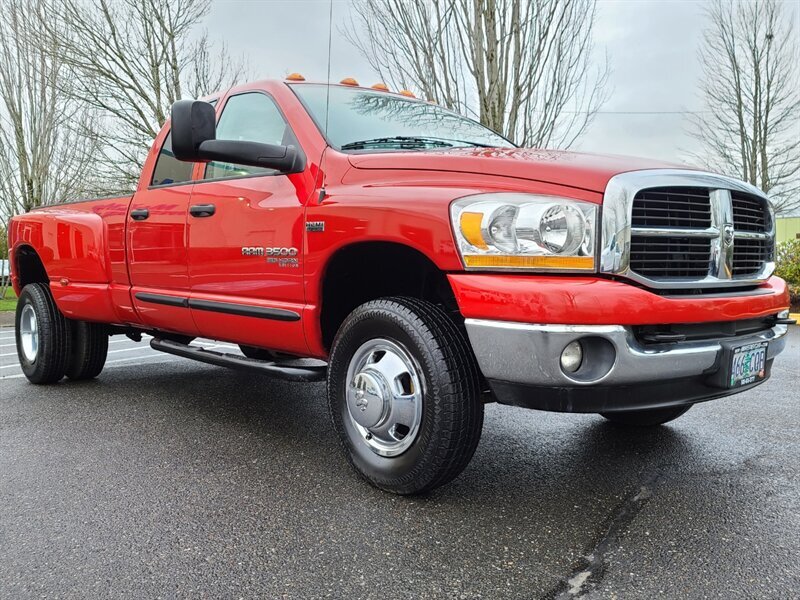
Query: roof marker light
x,y
381,87
295,77
349,81
408,93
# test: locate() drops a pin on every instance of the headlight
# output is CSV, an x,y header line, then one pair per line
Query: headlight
x,y
525,231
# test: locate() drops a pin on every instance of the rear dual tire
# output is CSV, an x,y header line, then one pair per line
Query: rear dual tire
x,y
50,346
89,343
42,335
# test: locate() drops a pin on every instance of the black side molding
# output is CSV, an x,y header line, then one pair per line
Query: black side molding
x,y
276,314
289,373
242,310
163,299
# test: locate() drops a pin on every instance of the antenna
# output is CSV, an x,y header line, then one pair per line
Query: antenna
x,y
328,87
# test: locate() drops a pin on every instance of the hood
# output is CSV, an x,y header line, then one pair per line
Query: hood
x,y
572,169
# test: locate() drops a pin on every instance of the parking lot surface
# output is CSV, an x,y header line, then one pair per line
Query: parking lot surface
x,y
168,478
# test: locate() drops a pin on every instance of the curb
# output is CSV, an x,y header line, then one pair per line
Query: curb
x,y
7,318
795,316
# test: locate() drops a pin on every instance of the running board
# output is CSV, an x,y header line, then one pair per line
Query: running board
x,y
289,373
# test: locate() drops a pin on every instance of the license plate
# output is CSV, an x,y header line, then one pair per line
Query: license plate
x,y
748,364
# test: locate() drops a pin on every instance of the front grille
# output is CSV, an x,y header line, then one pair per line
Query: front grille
x,y
672,207
750,213
750,255
670,257
675,233
680,231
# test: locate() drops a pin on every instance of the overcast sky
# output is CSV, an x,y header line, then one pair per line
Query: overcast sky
x,y
651,46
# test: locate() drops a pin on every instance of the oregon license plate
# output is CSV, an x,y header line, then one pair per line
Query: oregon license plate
x,y
748,364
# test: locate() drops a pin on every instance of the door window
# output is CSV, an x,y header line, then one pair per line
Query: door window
x,y
252,117
169,170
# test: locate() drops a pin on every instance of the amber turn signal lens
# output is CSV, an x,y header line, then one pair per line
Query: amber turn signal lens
x,y
578,263
471,229
295,77
349,81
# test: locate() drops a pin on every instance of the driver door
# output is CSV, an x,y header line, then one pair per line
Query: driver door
x,y
245,231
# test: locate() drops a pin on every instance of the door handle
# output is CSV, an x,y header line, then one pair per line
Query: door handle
x,y
202,210
139,214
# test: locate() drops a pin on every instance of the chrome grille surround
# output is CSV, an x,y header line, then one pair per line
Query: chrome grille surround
x,y
617,230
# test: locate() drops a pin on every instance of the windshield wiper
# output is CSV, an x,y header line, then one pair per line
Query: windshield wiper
x,y
465,142
398,141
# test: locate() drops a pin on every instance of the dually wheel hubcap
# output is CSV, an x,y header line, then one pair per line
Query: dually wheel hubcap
x,y
384,396
29,333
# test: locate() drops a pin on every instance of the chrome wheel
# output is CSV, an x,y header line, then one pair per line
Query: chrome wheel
x,y
384,396
29,333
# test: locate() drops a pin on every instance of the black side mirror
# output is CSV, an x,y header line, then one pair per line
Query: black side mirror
x,y
193,122
194,140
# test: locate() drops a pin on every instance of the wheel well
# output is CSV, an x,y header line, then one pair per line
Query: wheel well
x,y
370,270
29,267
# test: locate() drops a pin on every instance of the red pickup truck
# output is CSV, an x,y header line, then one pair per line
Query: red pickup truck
x,y
431,264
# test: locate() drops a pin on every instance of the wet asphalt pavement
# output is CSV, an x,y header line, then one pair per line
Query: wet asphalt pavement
x,y
168,478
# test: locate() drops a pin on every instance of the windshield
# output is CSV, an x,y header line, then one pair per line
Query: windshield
x,y
363,120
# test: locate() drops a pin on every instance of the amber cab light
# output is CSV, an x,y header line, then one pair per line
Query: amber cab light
x,y
408,93
295,77
381,87
349,81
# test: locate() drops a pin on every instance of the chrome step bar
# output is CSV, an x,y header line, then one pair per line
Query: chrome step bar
x,y
280,371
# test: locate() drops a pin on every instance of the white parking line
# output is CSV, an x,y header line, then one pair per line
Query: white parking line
x,y
168,360
140,344
125,341
154,355
10,336
146,348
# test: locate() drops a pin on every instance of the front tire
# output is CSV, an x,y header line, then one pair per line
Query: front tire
x,y
89,350
646,418
404,395
42,335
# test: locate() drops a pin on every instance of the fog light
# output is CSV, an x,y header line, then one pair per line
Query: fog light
x,y
571,357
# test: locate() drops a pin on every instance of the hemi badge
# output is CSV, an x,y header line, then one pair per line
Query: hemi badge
x,y
315,225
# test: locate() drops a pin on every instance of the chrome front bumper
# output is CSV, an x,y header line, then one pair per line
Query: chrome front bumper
x,y
520,356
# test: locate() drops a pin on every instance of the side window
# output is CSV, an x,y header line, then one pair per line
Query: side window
x,y
169,169
251,117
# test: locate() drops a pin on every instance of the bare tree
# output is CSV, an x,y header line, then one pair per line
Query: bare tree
x,y
43,156
131,60
752,90
523,69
